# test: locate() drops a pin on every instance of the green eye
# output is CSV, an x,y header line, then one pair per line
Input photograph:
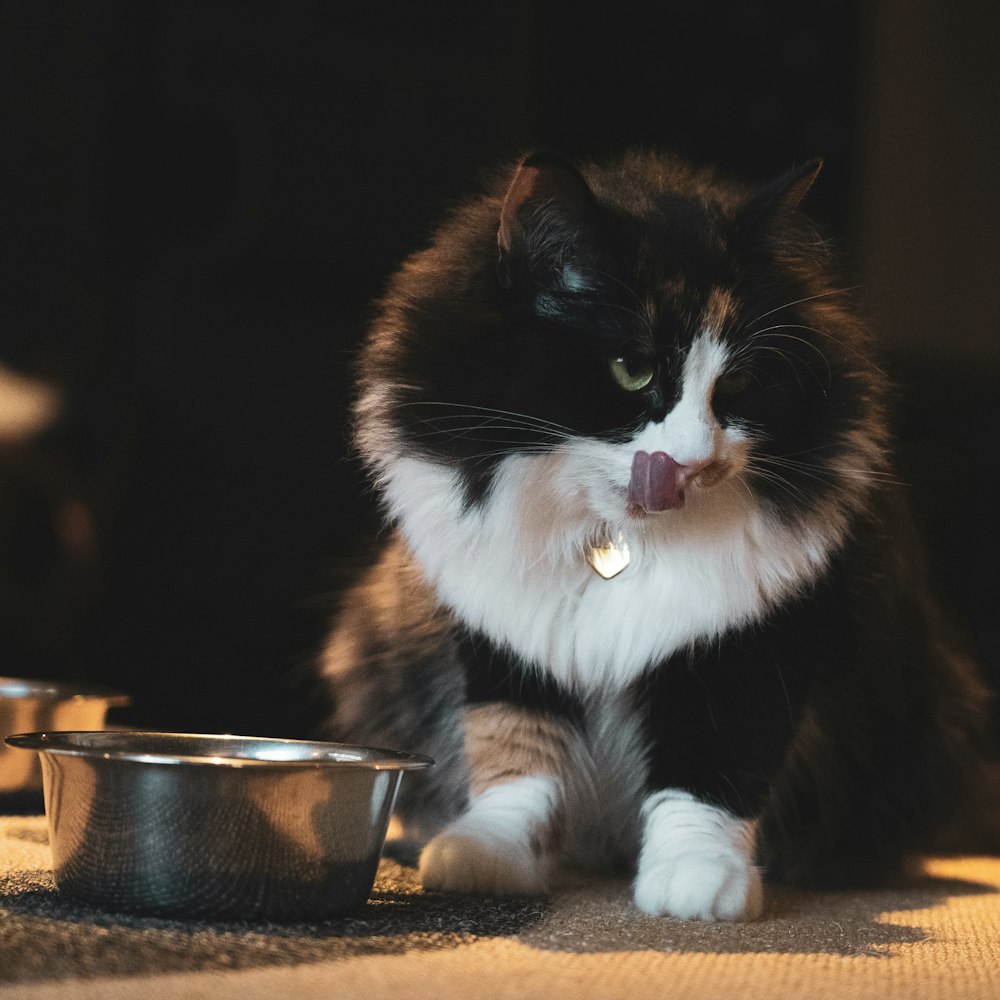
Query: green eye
x,y
632,374
733,383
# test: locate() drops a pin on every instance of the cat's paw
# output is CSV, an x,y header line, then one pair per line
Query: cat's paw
x,y
471,861
496,847
701,887
697,862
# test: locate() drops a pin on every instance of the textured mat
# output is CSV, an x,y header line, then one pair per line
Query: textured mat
x,y
937,936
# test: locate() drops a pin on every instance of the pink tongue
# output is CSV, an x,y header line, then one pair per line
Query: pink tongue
x,y
653,485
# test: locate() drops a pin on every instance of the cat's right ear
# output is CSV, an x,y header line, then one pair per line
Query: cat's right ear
x,y
780,197
543,220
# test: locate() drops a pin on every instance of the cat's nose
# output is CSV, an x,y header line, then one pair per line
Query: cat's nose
x,y
658,480
691,469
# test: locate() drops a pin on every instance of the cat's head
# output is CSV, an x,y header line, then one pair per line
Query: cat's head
x,y
648,339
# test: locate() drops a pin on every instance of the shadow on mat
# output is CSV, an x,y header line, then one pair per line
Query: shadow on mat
x,y
596,917
47,936
28,833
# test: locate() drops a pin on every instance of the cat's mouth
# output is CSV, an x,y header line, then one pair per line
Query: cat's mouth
x,y
657,482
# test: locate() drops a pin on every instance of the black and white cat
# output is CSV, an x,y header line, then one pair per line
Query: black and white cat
x,y
648,596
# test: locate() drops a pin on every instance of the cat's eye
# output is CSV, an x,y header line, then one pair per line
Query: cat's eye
x,y
733,383
632,374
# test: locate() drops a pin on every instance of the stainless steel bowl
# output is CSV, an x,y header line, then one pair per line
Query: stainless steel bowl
x,y
32,705
221,826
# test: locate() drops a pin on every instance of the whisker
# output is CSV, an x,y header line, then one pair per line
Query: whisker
x,y
798,302
513,442
640,313
745,485
506,453
793,491
799,340
528,433
457,422
790,358
820,333
626,309
830,479
613,277
874,475
471,407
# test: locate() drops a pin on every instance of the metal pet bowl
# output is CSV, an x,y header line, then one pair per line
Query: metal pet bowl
x,y
229,827
32,705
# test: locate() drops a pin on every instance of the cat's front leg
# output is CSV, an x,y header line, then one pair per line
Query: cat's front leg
x,y
696,861
505,843
496,847
720,728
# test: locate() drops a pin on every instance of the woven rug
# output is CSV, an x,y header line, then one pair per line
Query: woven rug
x,y
937,936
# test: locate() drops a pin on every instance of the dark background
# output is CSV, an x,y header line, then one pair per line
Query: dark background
x,y
200,198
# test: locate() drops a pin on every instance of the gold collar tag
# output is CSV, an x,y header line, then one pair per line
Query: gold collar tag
x,y
610,559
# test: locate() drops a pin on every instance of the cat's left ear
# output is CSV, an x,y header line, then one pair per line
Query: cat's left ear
x,y
783,194
546,213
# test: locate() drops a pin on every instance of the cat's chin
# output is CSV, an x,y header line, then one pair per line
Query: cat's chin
x,y
637,512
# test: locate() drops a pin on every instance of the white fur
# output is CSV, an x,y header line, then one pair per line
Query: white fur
x,y
691,434
493,848
514,566
696,861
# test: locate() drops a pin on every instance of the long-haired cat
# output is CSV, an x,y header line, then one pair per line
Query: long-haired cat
x,y
648,593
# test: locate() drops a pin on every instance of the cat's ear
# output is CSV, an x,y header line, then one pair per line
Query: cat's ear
x,y
781,195
546,213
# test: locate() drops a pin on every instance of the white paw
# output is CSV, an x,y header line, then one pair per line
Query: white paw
x,y
697,862
457,861
494,848
701,887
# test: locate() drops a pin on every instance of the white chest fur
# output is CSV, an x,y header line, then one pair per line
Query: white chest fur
x,y
514,567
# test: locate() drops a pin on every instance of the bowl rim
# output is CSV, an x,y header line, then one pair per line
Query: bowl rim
x,y
61,743
42,689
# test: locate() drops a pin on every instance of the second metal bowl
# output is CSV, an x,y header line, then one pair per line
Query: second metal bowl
x,y
216,826
28,705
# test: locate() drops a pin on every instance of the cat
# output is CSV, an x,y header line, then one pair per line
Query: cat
x,y
648,592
